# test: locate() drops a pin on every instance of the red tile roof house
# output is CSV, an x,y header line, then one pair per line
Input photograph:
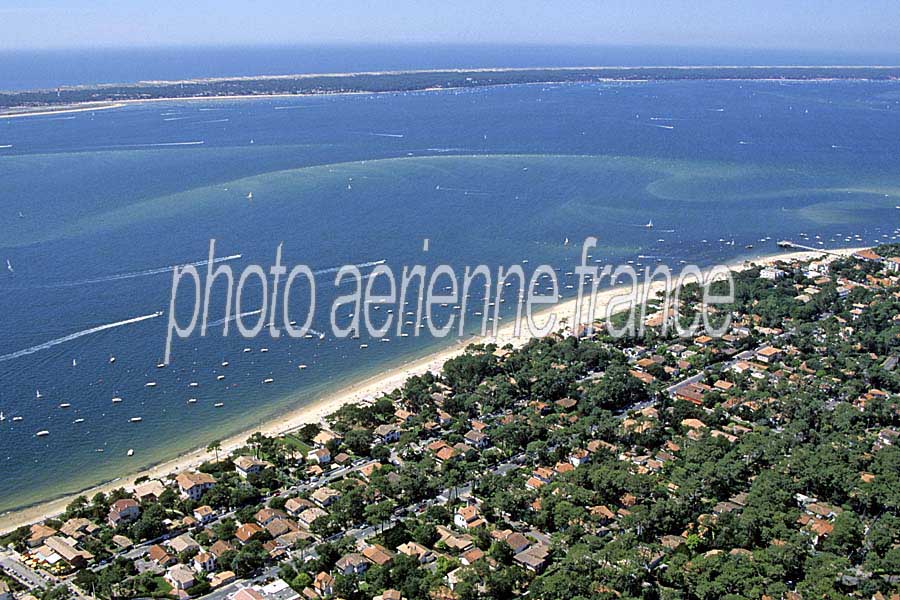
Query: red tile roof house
x,y
352,564
322,456
308,516
377,555
204,514
867,255
205,562
324,584
248,465
893,264
295,506
579,457
219,548
183,543
417,551
533,559
160,556
517,542
39,533
192,484
769,354
325,496
247,594
247,531
467,518
180,577
477,439
692,392
123,511
265,516
387,433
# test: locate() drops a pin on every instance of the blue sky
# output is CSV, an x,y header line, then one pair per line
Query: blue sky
x,y
845,25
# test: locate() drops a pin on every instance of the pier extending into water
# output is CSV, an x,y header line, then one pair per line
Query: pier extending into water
x,y
794,245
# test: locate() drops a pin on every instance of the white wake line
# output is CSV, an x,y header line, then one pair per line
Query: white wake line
x,y
75,336
374,263
157,145
234,318
145,273
252,313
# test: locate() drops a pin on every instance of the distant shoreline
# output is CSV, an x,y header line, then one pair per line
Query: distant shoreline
x,y
77,108
112,95
369,387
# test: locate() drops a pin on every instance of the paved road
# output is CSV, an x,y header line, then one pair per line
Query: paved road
x,y
358,534
22,572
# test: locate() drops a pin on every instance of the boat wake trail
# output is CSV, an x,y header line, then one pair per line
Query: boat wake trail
x,y
139,146
134,274
75,336
233,318
373,263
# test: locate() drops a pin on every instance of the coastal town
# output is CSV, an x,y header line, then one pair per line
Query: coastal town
x,y
764,463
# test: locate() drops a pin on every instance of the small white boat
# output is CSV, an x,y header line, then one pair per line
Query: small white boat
x,y
74,362
65,405
219,404
363,346
116,400
150,384
130,452
301,367
160,365
136,419
99,450
263,349
268,380
42,433
9,266
194,384
16,419
220,378
247,350
225,363
192,400
649,224
37,394
250,196
2,416
112,359
76,421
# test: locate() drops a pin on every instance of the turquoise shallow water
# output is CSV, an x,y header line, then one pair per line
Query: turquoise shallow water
x,y
94,206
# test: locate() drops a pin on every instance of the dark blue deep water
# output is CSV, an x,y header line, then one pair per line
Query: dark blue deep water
x,y
94,206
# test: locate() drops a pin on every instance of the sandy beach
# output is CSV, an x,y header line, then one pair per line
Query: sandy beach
x,y
74,108
372,387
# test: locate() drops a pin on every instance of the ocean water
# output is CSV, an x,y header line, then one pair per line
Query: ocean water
x,y
95,206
